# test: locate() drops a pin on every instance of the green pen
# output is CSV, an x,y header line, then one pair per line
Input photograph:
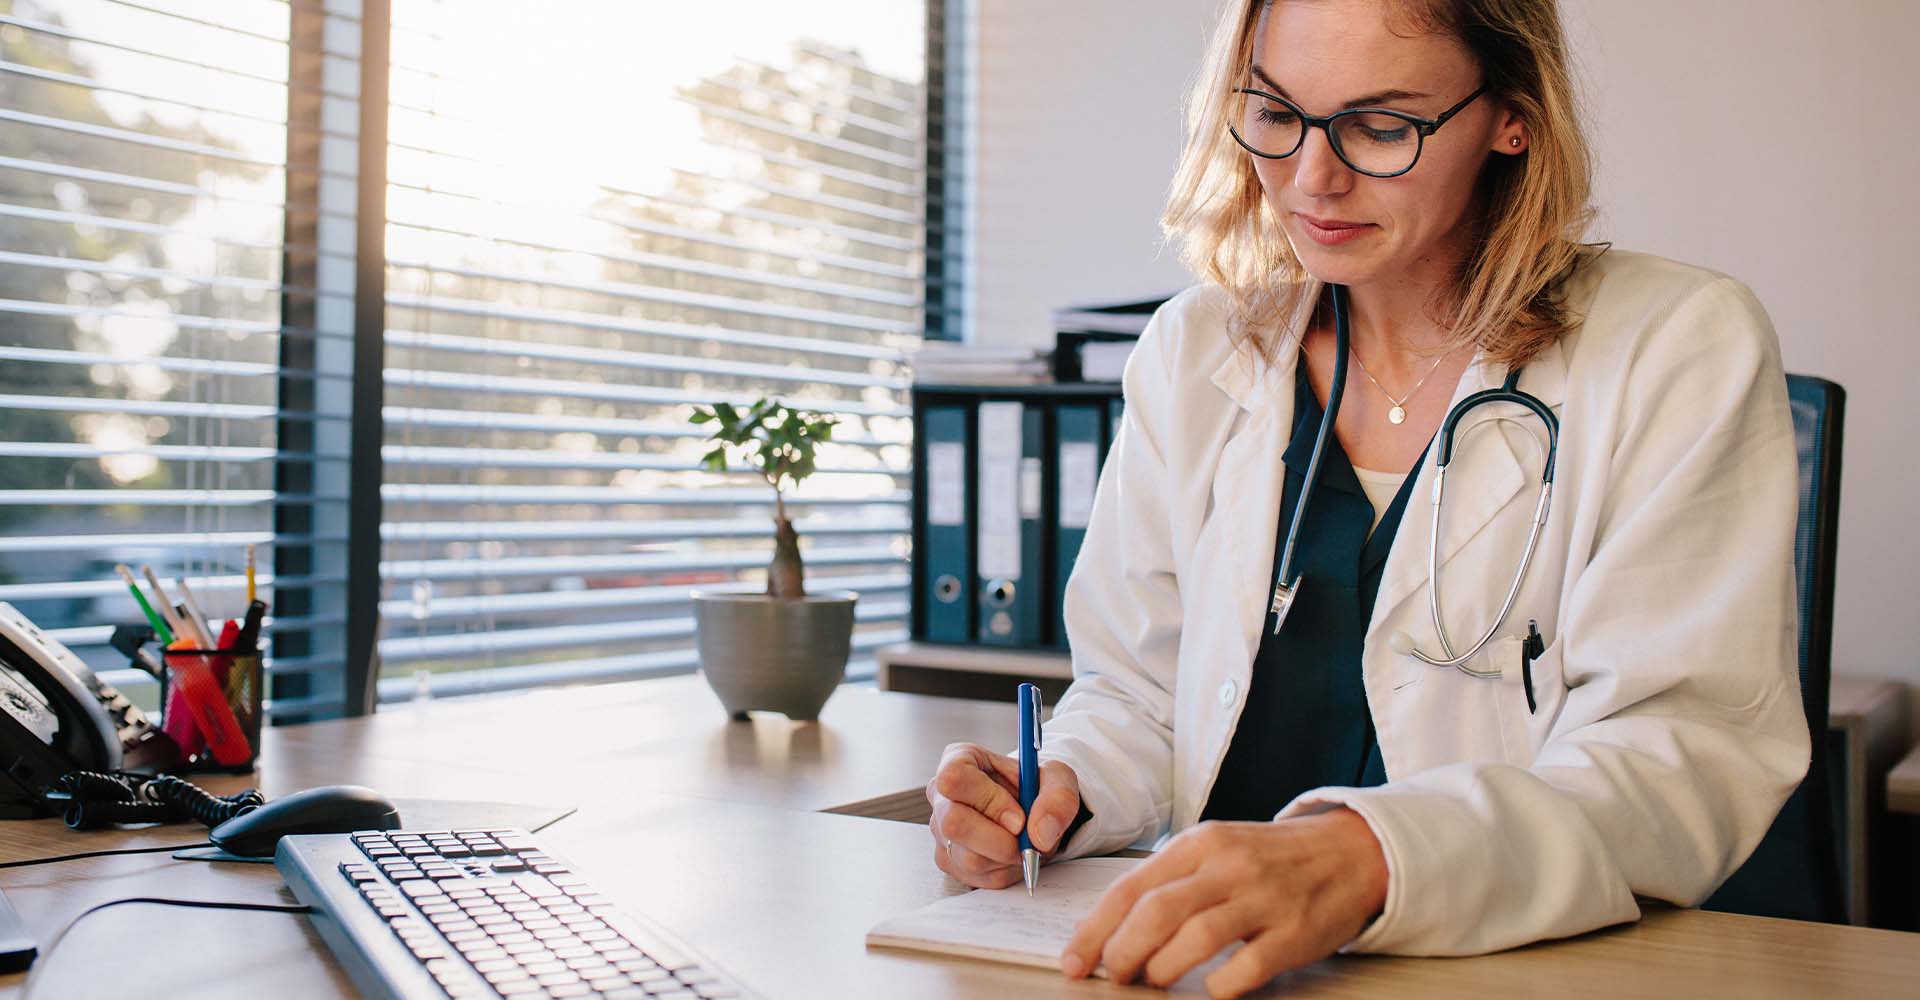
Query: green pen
x,y
159,626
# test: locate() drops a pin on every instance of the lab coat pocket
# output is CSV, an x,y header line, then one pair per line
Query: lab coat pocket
x,y
1526,716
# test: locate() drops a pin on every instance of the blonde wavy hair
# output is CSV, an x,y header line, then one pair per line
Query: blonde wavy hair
x,y
1505,298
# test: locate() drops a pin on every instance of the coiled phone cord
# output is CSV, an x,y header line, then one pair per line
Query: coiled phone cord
x,y
96,798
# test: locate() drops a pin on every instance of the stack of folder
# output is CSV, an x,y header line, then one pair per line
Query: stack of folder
x,y
1004,485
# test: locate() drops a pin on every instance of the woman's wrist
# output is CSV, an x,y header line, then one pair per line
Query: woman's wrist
x,y
1366,859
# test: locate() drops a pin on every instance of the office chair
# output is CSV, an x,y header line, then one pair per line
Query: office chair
x,y
1795,872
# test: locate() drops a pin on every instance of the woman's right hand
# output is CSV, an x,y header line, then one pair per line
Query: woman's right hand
x,y
977,819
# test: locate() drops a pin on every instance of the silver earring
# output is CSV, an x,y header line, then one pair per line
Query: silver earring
x,y
1514,142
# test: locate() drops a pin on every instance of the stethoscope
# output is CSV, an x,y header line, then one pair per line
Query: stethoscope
x,y
1286,584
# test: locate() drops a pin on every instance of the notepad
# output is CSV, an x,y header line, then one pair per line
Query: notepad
x,y
1005,925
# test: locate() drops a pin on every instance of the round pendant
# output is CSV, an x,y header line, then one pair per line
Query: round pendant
x,y
1397,415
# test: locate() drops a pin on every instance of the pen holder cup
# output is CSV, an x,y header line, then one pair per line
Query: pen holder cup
x,y
210,705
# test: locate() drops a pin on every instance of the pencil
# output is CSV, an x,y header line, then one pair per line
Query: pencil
x,y
250,590
199,615
181,624
153,617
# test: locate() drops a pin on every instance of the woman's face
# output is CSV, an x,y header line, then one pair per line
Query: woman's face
x,y
1347,227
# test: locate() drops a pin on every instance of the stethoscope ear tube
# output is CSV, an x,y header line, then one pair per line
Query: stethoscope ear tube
x,y
1285,583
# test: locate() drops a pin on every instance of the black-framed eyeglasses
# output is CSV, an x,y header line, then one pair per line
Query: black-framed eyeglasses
x,y
1377,142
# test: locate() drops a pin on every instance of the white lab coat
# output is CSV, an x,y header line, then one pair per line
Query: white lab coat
x,y
1669,728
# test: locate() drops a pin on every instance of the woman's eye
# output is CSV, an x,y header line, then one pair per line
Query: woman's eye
x,y
1276,116
1385,130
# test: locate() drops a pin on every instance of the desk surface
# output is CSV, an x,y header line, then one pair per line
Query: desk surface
x,y
708,827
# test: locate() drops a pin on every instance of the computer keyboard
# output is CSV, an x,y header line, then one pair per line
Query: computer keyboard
x,y
481,913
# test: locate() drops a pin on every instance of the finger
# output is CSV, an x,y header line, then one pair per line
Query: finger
x,y
1201,937
1156,919
1055,807
981,872
1090,938
966,828
1270,953
963,778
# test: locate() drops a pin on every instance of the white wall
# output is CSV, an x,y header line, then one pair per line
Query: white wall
x,y
1775,140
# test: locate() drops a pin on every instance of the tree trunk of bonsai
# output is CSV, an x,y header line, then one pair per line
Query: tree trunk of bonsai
x,y
785,576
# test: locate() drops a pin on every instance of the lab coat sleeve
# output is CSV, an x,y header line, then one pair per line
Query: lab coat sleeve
x,y
1682,732
1114,725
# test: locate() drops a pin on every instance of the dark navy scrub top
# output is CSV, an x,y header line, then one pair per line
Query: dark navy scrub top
x,y
1305,723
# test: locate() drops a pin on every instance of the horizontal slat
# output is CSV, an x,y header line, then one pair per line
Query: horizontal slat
x,y
215,195
798,222
546,216
443,609
820,109
643,292
129,226
697,300
28,308
124,270
584,566
599,356
58,31
530,458
859,149
171,452
71,79
407,649
279,23
197,366
400,378
695,332
144,407
135,498
400,417
661,529
633,666
202,586
134,138
162,540
408,493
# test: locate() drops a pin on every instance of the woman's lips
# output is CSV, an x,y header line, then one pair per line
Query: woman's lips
x,y
1331,232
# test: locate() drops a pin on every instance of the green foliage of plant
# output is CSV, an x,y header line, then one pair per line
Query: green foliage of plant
x,y
776,439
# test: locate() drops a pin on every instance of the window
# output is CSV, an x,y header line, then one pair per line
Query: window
x,y
594,224
596,216
142,179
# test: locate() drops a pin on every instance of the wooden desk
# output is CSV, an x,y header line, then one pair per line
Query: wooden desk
x,y
780,895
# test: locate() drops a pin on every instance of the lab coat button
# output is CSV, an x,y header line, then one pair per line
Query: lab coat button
x,y
1227,693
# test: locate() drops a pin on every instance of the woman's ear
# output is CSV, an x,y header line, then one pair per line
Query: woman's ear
x,y
1510,135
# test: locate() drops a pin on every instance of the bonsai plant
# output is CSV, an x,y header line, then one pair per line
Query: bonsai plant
x,y
783,649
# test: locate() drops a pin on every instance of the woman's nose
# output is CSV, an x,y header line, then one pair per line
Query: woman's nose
x,y
1318,171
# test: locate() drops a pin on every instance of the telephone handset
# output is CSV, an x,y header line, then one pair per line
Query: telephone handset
x,y
57,716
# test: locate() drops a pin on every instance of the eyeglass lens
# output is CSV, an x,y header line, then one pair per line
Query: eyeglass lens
x,y
1368,141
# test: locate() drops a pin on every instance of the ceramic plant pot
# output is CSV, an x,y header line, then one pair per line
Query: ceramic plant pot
x,y
774,654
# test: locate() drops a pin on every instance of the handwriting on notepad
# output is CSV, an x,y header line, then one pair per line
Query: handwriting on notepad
x,y
1006,923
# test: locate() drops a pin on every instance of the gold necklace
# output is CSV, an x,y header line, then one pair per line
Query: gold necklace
x,y
1397,415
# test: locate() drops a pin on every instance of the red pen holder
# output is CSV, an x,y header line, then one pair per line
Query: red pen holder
x,y
210,705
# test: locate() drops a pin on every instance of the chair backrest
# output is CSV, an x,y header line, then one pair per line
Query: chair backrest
x,y
1795,872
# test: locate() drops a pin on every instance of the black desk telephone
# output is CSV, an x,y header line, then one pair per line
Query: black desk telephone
x,y
56,716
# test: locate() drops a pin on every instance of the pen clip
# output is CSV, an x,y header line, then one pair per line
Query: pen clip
x,y
1035,701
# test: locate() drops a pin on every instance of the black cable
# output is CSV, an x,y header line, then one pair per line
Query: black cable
x,y
102,854
96,798
46,954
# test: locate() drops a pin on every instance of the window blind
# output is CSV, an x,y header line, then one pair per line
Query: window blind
x,y
142,180
629,222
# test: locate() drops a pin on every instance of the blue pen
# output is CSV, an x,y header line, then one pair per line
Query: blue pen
x,y
1029,779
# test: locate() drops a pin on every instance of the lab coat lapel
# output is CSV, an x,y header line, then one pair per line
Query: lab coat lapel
x,y
1488,470
1249,483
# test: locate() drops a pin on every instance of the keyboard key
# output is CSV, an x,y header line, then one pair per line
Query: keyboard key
x,y
563,977
568,990
606,983
625,993
716,991
677,995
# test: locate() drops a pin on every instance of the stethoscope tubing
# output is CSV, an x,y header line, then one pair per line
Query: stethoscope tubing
x,y
1285,584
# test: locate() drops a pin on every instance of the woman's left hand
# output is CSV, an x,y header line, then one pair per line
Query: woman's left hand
x,y
1295,890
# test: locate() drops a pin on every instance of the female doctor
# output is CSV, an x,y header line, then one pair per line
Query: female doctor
x,y
1633,724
